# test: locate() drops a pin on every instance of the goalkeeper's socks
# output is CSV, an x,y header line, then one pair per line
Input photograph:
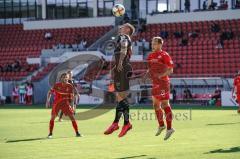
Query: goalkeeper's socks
x,y
168,115
124,103
126,115
119,111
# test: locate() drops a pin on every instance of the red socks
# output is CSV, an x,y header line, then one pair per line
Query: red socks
x,y
75,126
168,115
159,115
51,125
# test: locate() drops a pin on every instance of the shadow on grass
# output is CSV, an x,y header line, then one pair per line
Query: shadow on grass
x,y
22,140
231,150
41,122
140,156
216,124
32,139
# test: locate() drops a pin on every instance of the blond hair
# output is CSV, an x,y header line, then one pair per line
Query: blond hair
x,y
158,39
130,26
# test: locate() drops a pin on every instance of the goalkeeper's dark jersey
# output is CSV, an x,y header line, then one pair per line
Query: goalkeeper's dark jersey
x,y
121,78
120,39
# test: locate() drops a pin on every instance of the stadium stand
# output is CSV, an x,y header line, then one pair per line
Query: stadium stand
x,y
199,57
16,43
44,72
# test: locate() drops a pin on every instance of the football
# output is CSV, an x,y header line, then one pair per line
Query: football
x,y
118,10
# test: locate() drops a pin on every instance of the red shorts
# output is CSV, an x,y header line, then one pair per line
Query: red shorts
x,y
161,90
64,106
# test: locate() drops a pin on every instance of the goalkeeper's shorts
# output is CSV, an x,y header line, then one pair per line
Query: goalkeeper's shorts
x,y
121,78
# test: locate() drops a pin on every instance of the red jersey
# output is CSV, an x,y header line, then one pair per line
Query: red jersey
x,y
158,62
236,84
62,91
63,95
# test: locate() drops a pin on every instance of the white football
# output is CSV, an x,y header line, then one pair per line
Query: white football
x,y
118,10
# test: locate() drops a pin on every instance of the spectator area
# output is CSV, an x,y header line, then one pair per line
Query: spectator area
x,y
194,56
16,43
200,56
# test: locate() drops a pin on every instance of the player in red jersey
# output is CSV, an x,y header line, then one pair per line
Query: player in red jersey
x,y
75,99
63,93
160,67
236,89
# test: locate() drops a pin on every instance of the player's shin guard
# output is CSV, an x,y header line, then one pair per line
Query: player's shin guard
x,y
168,115
51,125
119,112
159,115
124,103
75,126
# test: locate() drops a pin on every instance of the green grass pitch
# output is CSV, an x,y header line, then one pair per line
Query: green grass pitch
x,y
200,133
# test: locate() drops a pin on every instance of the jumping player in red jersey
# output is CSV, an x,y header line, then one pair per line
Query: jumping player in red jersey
x,y
63,92
160,66
236,89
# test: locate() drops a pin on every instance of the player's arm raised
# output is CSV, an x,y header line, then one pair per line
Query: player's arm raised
x,y
123,53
